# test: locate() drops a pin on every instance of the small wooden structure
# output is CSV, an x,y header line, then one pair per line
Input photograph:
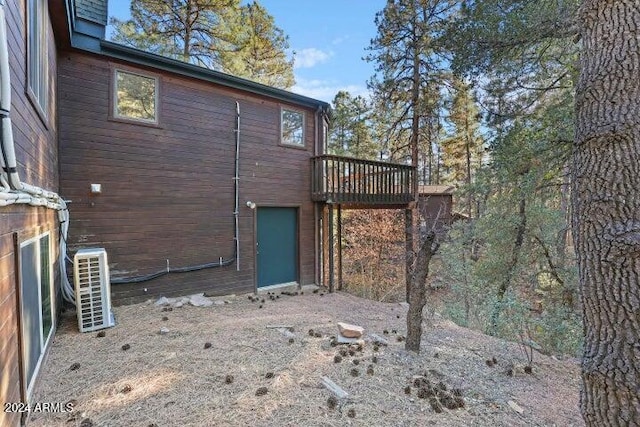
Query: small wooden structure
x,y
435,204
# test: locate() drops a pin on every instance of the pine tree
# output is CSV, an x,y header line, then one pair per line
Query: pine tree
x,y
217,34
189,30
606,202
408,67
431,132
462,151
350,127
261,49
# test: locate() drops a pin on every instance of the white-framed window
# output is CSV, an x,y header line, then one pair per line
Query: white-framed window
x,y
37,53
292,127
36,303
135,97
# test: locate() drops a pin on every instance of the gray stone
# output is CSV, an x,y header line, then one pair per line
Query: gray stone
x,y
162,301
286,332
199,300
164,331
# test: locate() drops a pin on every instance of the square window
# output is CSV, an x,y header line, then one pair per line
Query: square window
x,y
136,97
292,126
37,54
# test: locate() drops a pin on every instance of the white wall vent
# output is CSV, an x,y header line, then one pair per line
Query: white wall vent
x,y
93,289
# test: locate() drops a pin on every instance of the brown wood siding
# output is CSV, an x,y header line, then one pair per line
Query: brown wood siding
x,y
436,210
167,190
37,155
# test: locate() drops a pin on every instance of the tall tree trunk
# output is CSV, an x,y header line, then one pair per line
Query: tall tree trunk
x,y
606,210
412,213
437,161
418,292
513,262
467,147
186,49
565,208
408,249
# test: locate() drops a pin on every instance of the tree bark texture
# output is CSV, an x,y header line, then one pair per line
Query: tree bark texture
x,y
606,210
408,249
418,292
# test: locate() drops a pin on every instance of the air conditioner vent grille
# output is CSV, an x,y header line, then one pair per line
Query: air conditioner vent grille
x,y
93,290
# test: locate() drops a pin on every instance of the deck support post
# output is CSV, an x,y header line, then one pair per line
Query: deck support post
x,y
331,266
317,244
339,247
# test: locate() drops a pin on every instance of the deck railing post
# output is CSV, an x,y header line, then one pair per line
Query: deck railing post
x,y
333,176
325,169
352,180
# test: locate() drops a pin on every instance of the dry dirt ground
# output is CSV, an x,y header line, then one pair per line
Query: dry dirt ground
x,y
173,380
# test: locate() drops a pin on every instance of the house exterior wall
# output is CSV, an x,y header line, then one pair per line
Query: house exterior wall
x,y
436,210
167,190
37,154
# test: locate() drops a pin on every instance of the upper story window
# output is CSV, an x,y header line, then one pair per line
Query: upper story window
x,y
37,54
292,127
135,97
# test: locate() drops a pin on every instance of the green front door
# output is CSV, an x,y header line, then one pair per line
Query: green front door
x,y
277,246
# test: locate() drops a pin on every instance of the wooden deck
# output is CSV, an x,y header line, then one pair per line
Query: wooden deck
x,y
350,181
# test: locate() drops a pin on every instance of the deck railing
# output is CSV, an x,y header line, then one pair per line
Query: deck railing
x,y
338,179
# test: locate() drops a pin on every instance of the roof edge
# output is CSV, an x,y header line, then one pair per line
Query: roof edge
x,y
435,190
140,57
89,37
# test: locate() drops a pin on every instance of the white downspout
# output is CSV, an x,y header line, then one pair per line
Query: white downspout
x,y
12,190
236,180
316,220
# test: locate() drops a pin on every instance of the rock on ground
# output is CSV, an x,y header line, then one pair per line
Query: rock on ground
x,y
348,330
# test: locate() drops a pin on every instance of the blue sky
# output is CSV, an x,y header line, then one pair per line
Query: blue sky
x,y
329,38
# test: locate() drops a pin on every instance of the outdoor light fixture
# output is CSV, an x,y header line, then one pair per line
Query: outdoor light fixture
x,y
251,205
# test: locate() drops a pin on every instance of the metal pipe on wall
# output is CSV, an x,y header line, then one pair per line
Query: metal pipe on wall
x,y
236,180
316,222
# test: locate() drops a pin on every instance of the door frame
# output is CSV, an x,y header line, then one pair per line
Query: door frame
x,y
298,208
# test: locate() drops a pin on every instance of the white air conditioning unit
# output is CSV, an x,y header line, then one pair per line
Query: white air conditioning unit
x,y
93,289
